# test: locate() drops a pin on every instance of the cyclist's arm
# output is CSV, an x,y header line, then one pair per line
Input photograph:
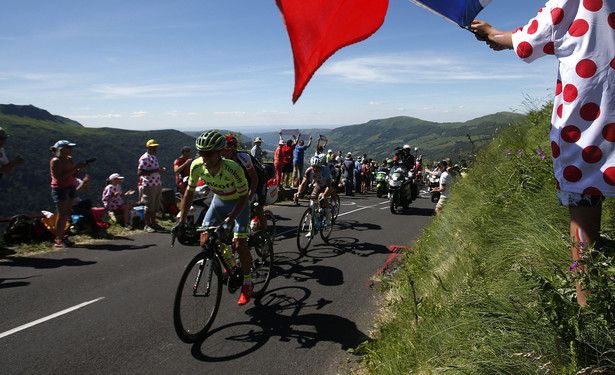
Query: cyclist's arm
x,y
186,203
253,182
305,181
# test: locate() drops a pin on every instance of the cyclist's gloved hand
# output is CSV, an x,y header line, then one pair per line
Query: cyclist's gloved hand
x,y
178,228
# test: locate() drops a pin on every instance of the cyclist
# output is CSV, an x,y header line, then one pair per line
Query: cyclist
x,y
255,174
322,182
229,204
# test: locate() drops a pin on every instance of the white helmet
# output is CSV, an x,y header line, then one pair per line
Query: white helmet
x,y
316,161
406,147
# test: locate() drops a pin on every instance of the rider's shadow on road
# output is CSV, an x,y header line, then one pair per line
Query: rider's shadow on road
x,y
280,313
355,225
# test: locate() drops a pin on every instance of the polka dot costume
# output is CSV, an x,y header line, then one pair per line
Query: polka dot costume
x,y
581,34
148,162
111,202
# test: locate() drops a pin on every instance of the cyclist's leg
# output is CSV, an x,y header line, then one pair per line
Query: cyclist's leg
x,y
261,195
241,239
213,217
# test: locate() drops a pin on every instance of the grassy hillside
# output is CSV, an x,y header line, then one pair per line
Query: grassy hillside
x,y
487,289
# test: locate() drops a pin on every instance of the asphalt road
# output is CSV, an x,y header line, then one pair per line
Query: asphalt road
x,y
106,308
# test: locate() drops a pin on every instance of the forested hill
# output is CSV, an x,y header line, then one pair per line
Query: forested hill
x,y
379,138
33,130
31,133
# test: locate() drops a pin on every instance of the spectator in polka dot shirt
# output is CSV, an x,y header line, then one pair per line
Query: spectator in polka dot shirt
x,y
581,35
149,177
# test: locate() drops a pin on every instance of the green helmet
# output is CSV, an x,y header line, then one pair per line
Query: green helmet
x,y
210,141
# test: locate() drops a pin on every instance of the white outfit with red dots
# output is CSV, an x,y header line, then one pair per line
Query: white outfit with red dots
x,y
149,162
581,34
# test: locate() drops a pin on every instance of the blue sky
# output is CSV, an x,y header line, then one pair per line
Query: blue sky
x,y
201,64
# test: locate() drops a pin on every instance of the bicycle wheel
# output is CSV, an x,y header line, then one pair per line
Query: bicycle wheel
x,y
326,229
261,251
305,231
336,205
197,298
270,217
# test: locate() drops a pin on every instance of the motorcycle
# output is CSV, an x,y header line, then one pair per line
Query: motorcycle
x,y
194,219
434,181
402,188
382,187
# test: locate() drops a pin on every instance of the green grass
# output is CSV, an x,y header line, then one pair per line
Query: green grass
x,y
487,288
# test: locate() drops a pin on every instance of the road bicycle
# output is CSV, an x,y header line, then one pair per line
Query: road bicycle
x,y
199,292
255,225
312,221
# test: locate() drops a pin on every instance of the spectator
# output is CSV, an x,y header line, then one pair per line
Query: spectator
x,y
181,167
358,175
277,163
581,35
287,159
339,159
83,207
63,172
320,149
348,168
112,198
6,165
298,160
256,151
151,184
443,188
366,170
330,156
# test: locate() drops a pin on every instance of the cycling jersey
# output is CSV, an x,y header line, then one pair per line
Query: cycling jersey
x,y
229,183
322,178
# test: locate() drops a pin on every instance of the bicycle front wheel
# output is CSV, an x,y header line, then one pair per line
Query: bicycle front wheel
x,y
261,251
270,217
305,231
325,232
197,298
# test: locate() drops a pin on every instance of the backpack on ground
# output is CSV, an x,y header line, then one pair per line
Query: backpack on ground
x,y
23,229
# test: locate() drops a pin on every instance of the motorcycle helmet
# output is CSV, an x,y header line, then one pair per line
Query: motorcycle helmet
x,y
231,141
316,161
407,148
210,141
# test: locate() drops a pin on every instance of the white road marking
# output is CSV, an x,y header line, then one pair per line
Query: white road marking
x,y
49,317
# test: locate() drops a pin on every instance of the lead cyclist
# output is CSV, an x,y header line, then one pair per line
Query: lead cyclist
x,y
229,205
321,176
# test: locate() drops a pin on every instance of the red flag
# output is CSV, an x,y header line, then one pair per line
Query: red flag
x,y
318,28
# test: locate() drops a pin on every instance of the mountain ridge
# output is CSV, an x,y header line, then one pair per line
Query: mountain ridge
x,y
33,130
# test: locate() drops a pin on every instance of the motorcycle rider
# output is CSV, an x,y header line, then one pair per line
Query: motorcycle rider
x,y
406,159
321,176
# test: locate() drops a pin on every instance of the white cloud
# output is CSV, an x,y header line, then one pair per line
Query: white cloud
x,y
138,114
421,68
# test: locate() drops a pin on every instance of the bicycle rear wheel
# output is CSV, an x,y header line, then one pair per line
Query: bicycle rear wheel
x,y
197,298
305,231
270,217
261,251
336,205
326,229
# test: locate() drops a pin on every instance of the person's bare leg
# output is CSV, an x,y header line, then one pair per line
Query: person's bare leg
x,y
585,233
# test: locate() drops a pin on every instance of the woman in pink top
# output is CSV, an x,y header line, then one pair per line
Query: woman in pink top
x,y
63,171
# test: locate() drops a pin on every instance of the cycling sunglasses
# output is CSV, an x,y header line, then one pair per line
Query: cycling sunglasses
x,y
208,154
